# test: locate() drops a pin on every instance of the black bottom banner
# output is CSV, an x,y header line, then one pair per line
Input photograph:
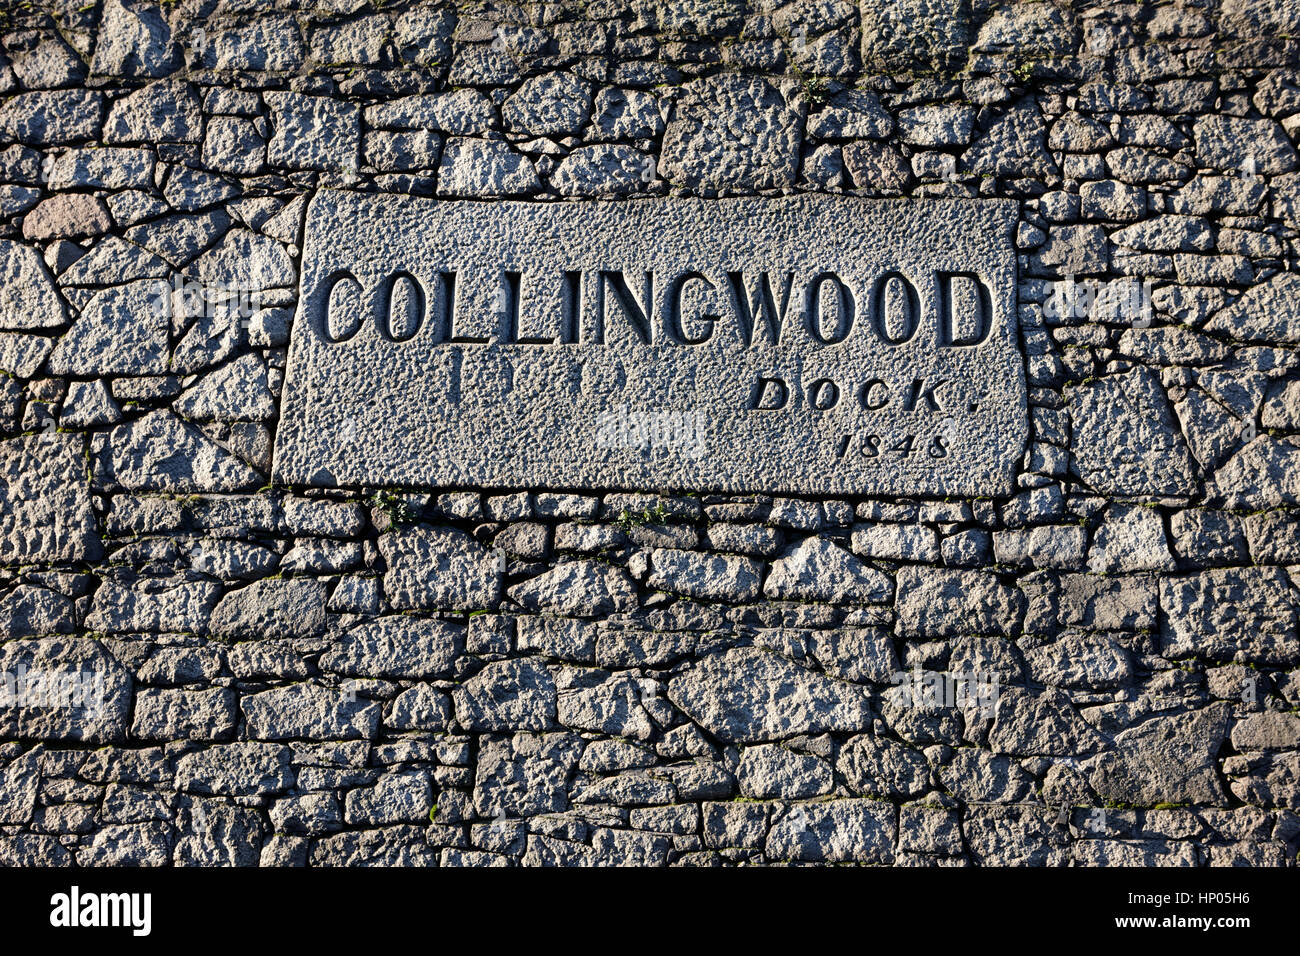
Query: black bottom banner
x,y
367,906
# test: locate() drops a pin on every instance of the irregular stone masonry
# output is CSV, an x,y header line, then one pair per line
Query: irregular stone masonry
x,y
202,668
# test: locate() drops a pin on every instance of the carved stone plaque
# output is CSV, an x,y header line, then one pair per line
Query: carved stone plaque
x,y
802,345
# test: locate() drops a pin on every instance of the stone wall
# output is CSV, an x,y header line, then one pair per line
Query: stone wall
x,y
467,677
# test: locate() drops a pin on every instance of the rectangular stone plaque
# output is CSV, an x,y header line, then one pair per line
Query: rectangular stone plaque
x,y
813,344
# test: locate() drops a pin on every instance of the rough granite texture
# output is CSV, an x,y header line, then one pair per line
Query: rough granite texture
x,y
1098,668
895,329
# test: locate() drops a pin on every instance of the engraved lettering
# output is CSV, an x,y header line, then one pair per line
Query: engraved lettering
x,y
752,311
673,311
769,394
342,296
447,311
874,394
842,306
823,340
572,313
512,287
823,394
918,391
896,313
402,308
636,313
975,304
